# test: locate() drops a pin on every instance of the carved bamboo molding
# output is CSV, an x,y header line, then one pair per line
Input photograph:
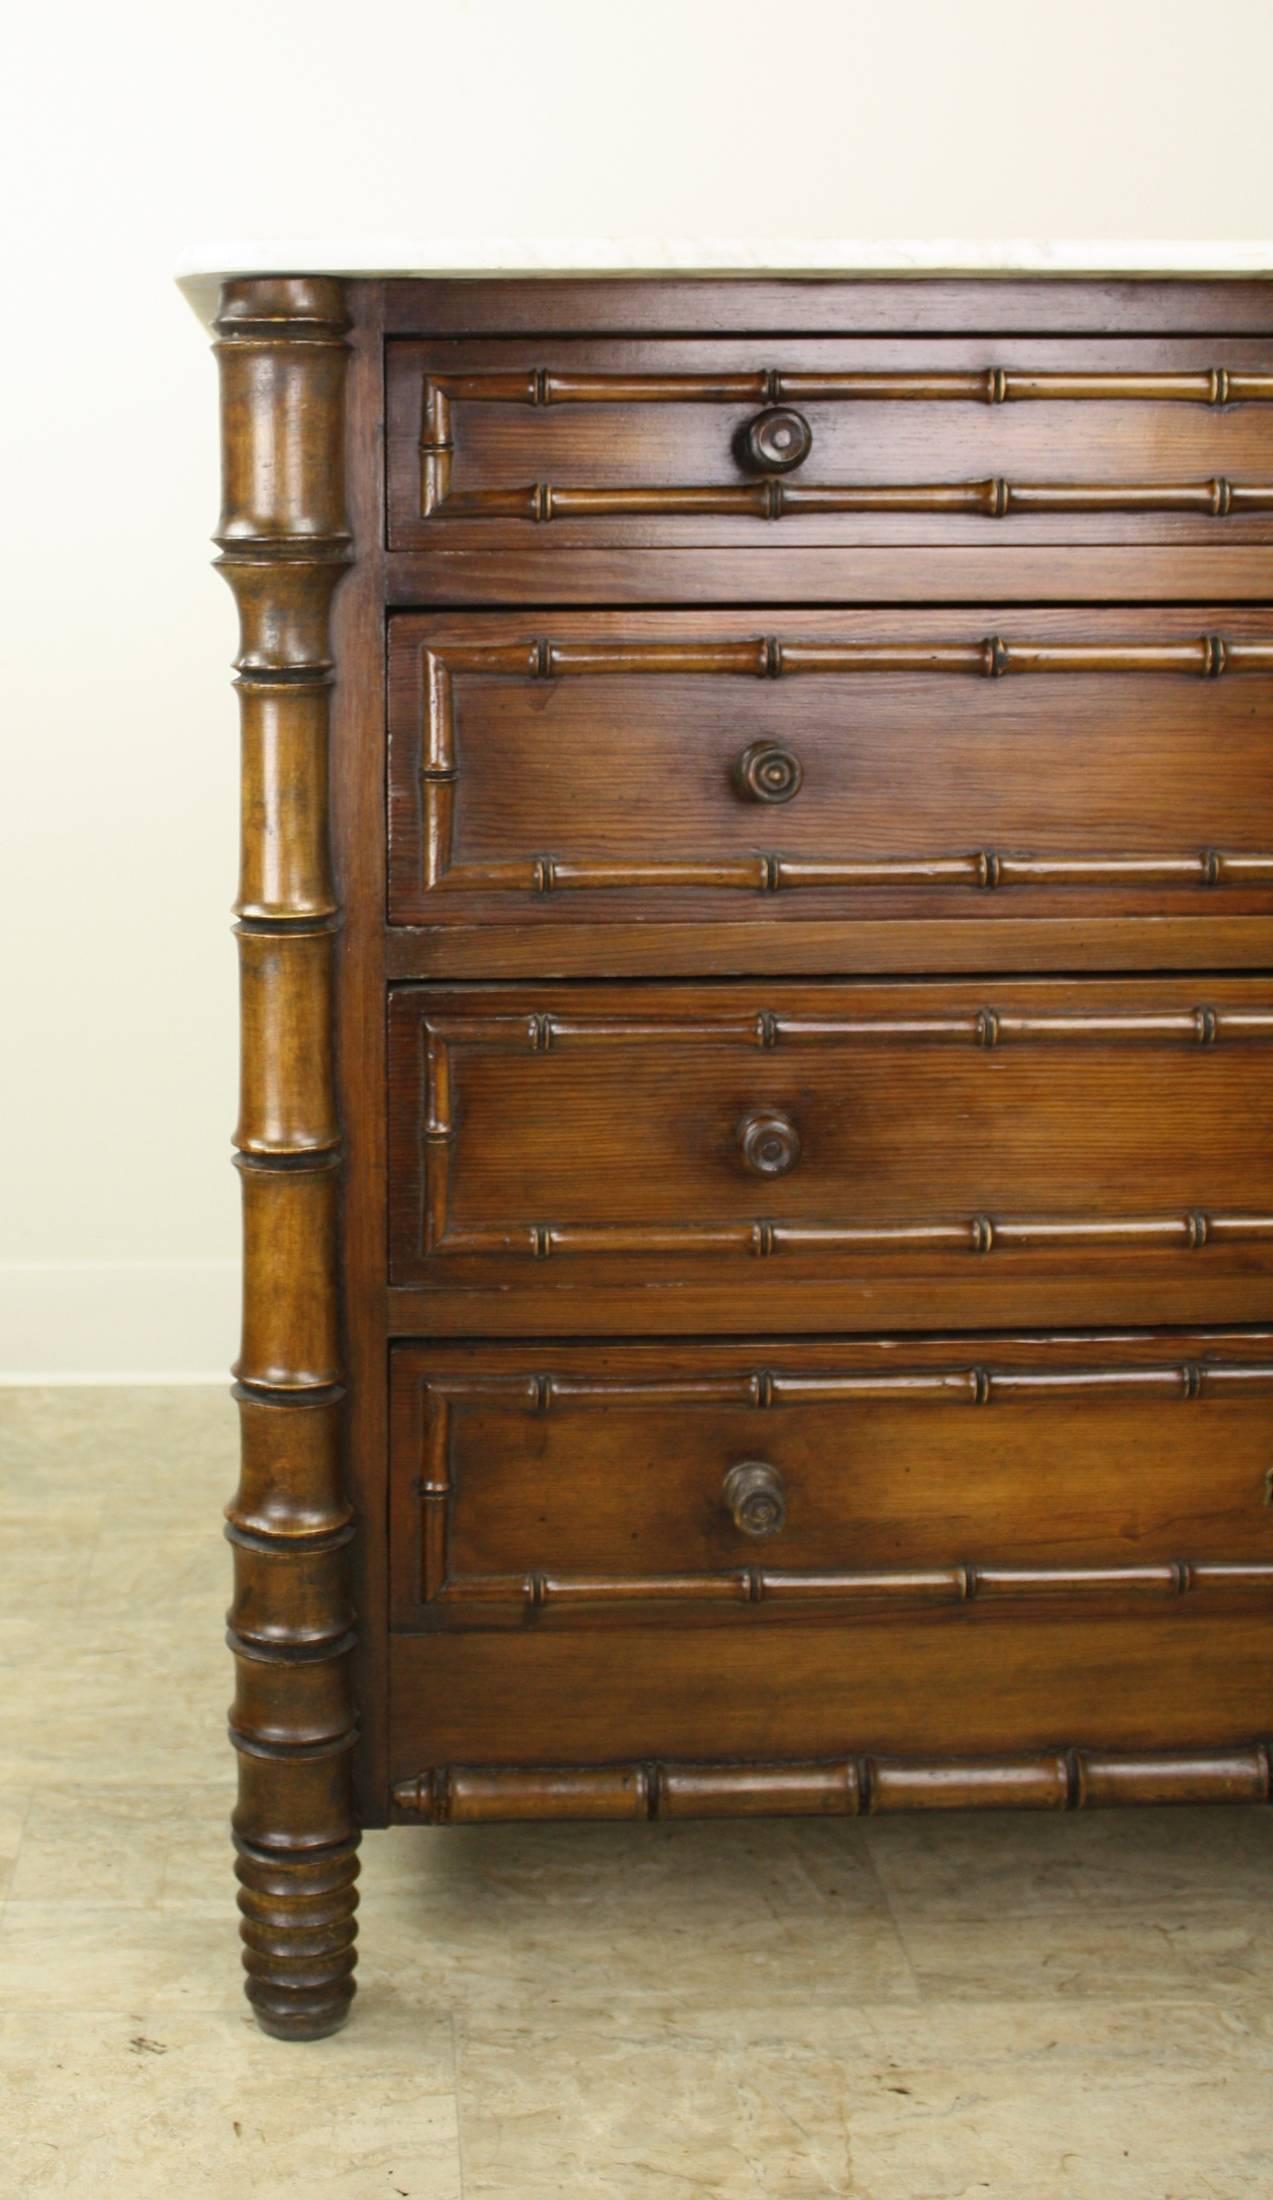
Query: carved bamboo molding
x,y
773,498
854,1591
986,869
1189,1230
537,1032
284,544
786,386
847,1787
1209,657
992,498
766,657
762,1238
767,1388
474,1598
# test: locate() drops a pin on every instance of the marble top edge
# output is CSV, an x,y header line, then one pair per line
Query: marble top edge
x,y
202,269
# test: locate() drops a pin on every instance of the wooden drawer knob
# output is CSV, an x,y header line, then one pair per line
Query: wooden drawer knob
x,y
766,772
770,1142
776,441
755,1496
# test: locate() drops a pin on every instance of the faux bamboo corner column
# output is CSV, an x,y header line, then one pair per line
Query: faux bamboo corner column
x,y
284,543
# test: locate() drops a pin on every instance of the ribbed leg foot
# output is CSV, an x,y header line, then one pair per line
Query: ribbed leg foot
x,y
299,1930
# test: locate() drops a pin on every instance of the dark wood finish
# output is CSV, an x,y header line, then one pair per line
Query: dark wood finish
x,y
768,1142
968,1681
1111,1153
899,440
284,545
820,305
358,847
978,765
820,896
765,771
897,948
777,441
1062,1779
559,1484
709,1307
755,1498
923,573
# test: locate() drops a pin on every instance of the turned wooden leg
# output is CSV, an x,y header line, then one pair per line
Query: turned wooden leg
x,y
284,546
292,1719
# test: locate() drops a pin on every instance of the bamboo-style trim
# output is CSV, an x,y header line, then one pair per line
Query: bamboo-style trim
x,y
774,499
537,1592
1209,657
767,1388
767,657
533,1591
849,1589
987,1028
983,1027
762,1238
853,1786
284,546
785,386
984,869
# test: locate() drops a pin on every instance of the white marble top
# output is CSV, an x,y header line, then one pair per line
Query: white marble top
x,y
204,268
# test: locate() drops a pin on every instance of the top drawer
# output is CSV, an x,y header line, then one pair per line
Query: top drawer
x,y
841,441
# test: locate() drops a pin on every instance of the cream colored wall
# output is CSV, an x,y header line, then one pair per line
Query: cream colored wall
x,y
130,130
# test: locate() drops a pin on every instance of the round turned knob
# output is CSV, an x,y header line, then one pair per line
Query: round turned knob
x,y
767,772
755,1496
769,1141
776,441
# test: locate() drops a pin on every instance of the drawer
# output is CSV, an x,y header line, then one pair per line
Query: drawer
x,y
937,1685
846,1155
743,1483
849,441
966,765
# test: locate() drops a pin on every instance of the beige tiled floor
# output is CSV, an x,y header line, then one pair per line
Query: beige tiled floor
x,y
914,2009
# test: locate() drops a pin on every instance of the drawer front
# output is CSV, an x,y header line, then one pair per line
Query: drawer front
x,y
962,765
746,1483
847,1153
867,441
937,1685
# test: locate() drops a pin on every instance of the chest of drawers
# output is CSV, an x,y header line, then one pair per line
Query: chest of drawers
x,y
756,927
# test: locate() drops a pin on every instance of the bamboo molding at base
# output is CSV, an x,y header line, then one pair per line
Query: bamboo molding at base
x,y
849,1787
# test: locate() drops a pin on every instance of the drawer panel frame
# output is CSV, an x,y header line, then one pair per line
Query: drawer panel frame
x,y
590,1484
491,439
450,1228
839,694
